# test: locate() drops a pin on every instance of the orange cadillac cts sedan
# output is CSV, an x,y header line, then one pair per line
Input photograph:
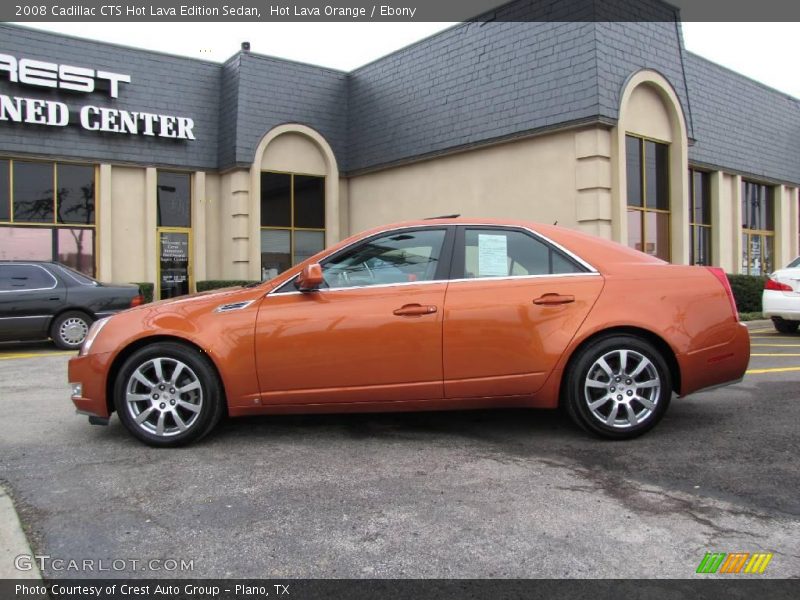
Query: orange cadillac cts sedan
x,y
447,313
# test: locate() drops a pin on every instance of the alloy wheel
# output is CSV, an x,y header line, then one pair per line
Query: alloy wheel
x,y
164,396
622,388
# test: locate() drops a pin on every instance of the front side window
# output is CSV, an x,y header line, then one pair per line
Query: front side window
x,y
292,220
700,217
511,253
758,228
398,257
647,165
48,212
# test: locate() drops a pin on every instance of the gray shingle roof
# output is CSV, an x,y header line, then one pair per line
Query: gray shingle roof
x,y
742,125
160,83
472,84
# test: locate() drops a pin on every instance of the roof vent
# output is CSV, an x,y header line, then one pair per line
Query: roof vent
x,y
245,46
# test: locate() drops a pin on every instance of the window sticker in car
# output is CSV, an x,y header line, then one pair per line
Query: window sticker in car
x,y
492,255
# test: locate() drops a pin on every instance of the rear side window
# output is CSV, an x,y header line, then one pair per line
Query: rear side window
x,y
77,276
24,277
511,253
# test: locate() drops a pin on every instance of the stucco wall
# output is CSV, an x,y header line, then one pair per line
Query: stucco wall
x,y
128,225
533,179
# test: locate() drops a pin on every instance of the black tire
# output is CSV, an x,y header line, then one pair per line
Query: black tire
x,y
69,329
198,409
648,403
784,326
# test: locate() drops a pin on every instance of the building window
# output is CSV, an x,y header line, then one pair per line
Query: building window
x,y
47,212
174,199
700,217
174,207
292,220
648,196
758,228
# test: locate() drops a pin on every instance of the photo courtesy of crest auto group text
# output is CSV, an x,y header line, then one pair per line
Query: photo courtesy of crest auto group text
x,y
408,300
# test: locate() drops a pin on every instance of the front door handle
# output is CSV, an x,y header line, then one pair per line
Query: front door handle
x,y
414,310
554,299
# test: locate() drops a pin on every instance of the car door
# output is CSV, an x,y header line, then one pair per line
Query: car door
x,y
29,296
513,304
373,333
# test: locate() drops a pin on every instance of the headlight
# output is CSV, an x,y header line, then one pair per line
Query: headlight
x,y
94,330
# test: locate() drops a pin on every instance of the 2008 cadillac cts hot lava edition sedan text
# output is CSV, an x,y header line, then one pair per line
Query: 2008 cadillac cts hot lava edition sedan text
x,y
445,313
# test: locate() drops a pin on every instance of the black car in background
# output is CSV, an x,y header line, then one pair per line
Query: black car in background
x,y
47,299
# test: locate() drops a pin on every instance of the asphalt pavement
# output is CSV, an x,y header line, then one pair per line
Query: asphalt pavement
x,y
506,493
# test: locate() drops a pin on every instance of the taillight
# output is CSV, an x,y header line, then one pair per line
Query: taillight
x,y
137,300
723,279
771,284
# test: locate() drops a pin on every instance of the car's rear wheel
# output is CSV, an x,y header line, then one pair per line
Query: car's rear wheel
x,y
168,394
69,329
784,326
618,387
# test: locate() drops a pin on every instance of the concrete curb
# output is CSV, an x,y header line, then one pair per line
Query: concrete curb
x,y
13,542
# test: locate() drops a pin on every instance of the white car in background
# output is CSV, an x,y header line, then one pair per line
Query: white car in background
x,y
781,297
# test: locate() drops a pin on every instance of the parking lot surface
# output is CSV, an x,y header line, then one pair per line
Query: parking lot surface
x,y
506,493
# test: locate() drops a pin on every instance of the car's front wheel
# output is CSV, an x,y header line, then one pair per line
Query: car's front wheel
x,y
784,326
69,329
618,387
168,394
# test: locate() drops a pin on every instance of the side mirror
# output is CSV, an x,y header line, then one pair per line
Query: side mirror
x,y
310,278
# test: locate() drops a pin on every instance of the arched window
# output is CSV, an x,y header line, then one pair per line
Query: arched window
x,y
648,192
292,220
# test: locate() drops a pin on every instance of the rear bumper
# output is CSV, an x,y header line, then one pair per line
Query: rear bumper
x,y
717,366
90,372
785,305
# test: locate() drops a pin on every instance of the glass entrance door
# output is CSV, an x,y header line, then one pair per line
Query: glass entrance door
x,y
174,260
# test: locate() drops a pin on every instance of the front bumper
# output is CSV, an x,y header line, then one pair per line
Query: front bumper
x,y
90,371
785,305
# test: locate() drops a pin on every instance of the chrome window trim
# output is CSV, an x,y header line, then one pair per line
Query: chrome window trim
x,y
49,274
591,270
513,277
465,280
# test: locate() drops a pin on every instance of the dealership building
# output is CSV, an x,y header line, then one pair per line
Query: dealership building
x,y
133,165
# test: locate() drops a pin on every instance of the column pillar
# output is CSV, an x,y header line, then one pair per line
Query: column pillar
x,y
199,226
736,225
722,254
593,176
151,225
105,270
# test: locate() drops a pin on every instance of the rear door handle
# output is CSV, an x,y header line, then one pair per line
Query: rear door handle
x,y
554,299
414,310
